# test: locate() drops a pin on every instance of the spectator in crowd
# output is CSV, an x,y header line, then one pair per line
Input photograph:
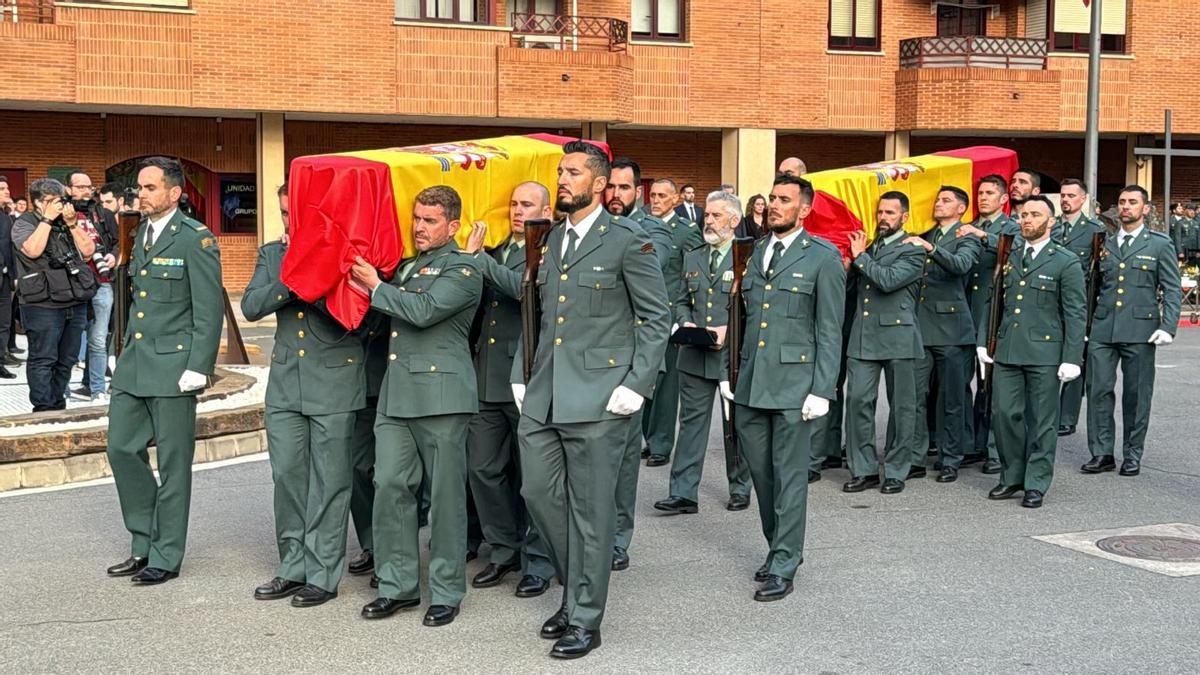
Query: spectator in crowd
x,y
754,223
793,166
726,187
110,196
688,208
100,225
6,262
20,206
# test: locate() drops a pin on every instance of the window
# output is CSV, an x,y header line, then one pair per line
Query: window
x,y
957,20
239,204
659,19
854,24
530,7
1072,22
450,11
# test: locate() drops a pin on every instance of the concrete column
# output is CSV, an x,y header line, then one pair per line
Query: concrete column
x,y
748,160
272,168
1138,170
896,145
595,131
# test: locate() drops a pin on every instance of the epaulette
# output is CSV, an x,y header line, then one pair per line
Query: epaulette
x,y
826,243
1160,235
272,244
195,224
629,223
698,248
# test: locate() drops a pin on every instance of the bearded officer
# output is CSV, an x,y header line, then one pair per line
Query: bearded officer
x,y
794,289
704,303
171,344
1137,312
425,406
604,329
317,383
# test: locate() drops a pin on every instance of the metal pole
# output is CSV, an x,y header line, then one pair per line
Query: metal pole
x,y
1167,215
1091,141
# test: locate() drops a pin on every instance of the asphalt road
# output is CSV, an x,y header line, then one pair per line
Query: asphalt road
x,y
936,579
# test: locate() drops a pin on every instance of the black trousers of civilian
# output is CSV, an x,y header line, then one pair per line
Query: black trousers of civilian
x,y
54,335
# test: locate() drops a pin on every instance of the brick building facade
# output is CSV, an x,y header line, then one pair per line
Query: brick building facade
x,y
702,92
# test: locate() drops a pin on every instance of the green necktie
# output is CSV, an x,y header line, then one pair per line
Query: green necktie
x,y
1027,259
1124,245
569,254
509,250
776,255
714,261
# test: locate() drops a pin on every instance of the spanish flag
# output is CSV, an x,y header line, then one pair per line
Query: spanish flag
x,y
360,204
846,199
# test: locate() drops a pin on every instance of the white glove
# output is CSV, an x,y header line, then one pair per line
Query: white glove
x,y
674,328
1161,338
726,390
984,360
1068,372
624,401
518,391
191,381
814,407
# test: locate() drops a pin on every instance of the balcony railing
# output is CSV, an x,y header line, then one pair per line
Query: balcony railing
x,y
550,31
30,11
973,52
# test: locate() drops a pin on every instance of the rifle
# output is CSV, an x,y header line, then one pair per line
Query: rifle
x,y
127,225
536,232
743,248
1093,296
995,316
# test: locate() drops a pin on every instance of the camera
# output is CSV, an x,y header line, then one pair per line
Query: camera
x,y
102,267
66,262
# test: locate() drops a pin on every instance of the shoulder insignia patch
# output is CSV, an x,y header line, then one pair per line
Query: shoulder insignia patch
x,y
647,248
206,242
466,272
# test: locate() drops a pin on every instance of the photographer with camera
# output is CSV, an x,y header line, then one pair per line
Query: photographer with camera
x,y
55,285
100,225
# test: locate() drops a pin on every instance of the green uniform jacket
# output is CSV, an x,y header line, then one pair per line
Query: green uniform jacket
x,y
177,312
981,273
944,311
704,302
317,366
1129,309
1078,240
377,327
673,238
500,331
432,306
604,323
1183,233
1044,310
793,341
887,278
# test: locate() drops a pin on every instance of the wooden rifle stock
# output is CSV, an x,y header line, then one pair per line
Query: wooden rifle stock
x,y
743,248
995,316
1093,296
536,232
127,226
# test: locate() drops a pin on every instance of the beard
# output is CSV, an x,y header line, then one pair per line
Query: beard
x,y
574,204
884,230
1128,219
712,237
780,228
1034,234
619,208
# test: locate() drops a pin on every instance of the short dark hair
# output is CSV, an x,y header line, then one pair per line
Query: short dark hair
x,y
282,191
686,186
959,193
71,176
46,187
597,159
3,179
1175,205
995,179
898,196
171,168
1043,199
443,196
1034,176
626,163
112,187
1136,188
1073,181
806,188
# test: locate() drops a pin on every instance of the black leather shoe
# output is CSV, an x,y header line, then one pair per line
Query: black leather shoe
x,y
128,568
363,563
1131,467
532,586
861,483
10,360
774,588
646,452
657,460
1032,500
471,555
676,505
761,574
576,643
7,374
738,503
439,615
277,588
892,486
1099,464
374,581
991,467
917,472
973,458
1066,430
311,596
813,476
556,626
382,608
152,576
832,463
492,575
1005,491
620,559
948,475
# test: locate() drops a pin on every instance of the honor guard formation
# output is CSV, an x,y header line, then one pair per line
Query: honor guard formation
x,y
511,395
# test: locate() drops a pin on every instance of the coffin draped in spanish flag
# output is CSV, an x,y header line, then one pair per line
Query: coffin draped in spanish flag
x,y
846,198
360,203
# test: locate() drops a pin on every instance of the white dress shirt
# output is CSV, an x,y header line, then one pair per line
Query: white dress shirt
x,y
156,226
770,250
1122,235
1037,248
581,229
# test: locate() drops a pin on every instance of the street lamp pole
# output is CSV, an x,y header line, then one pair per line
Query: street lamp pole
x,y
1091,142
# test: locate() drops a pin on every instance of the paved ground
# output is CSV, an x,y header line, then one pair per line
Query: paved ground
x,y
936,579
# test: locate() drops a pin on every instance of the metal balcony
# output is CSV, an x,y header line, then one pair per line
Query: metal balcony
x,y
550,31
972,51
27,11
